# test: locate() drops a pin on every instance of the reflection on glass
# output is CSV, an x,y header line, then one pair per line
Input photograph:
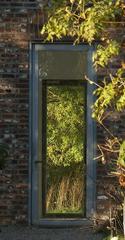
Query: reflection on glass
x,y
62,64
65,149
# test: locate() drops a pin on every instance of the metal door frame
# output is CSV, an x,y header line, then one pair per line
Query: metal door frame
x,y
34,173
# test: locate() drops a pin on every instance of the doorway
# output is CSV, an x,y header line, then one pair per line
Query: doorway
x,y
62,167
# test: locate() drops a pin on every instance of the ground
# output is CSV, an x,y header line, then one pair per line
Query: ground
x,y
37,233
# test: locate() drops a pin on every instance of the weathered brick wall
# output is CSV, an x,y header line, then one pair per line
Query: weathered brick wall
x,y
107,184
18,25
16,30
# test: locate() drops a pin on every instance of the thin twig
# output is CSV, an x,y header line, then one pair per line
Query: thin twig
x,y
122,22
107,130
92,82
109,150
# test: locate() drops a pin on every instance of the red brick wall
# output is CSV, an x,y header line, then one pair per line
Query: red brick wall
x,y
16,30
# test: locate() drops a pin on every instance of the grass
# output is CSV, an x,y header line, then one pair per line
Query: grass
x,y
66,211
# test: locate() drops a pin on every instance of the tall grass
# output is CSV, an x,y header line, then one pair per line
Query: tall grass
x,y
65,193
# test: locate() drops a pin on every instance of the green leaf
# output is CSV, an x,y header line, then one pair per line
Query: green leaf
x,y
121,158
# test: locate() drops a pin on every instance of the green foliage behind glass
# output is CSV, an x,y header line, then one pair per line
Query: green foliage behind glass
x,y
66,125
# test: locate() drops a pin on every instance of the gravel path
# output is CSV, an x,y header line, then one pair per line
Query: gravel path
x,y
37,233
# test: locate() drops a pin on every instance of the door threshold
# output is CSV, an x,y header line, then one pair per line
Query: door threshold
x,y
63,222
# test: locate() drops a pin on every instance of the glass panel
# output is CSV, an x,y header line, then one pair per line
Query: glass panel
x,y
65,147
63,130
62,64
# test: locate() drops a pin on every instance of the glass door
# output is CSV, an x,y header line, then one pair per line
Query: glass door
x,y
63,148
62,133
